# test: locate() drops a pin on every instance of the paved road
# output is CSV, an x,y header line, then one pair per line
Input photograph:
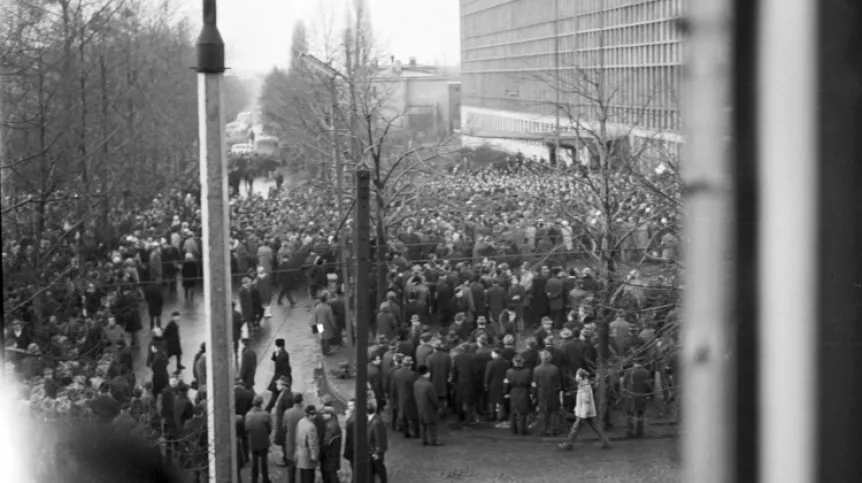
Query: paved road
x,y
291,325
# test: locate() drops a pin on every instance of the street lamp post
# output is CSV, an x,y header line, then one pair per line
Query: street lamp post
x,y
217,290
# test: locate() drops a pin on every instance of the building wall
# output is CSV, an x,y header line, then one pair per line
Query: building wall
x,y
402,93
629,47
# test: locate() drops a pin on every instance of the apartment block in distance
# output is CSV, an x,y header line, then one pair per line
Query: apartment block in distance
x,y
535,71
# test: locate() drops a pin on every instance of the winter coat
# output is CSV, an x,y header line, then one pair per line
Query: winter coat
x,y
323,316
258,426
427,403
330,454
462,378
546,380
402,391
585,405
282,368
248,367
495,377
519,381
307,448
245,303
440,365
172,339
282,404
264,287
290,421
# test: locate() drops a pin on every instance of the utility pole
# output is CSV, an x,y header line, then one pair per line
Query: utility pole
x,y
362,247
217,289
556,158
344,251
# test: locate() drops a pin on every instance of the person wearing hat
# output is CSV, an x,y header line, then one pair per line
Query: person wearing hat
x,y
291,420
547,384
428,405
518,382
247,364
281,404
378,443
330,454
402,391
546,329
440,367
424,350
464,382
494,377
324,319
183,407
281,360
258,426
572,358
585,413
246,302
173,347
307,451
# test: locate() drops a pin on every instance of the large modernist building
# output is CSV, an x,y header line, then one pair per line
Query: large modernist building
x,y
527,63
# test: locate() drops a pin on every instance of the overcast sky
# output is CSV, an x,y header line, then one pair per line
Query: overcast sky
x,y
257,32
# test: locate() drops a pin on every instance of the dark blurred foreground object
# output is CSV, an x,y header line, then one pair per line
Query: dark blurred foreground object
x,y
96,454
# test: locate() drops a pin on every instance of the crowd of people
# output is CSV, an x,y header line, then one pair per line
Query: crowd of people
x,y
481,283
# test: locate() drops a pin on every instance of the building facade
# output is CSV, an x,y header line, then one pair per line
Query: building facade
x,y
417,98
527,63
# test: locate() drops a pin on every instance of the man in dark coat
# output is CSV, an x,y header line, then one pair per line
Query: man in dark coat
x,y
556,299
495,377
464,383
546,383
496,300
637,385
258,425
281,359
247,364
519,380
428,405
155,302
237,326
283,402
402,383
375,380
440,366
173,347
243,399
350,434
479,302
378,444
159,366
539,301
443,298
531,354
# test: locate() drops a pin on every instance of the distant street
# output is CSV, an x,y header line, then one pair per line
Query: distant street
x,y
291,325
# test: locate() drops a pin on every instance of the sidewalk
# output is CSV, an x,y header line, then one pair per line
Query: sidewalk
x,y
343,389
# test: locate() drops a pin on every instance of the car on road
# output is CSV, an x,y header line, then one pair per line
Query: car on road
x,y
242,148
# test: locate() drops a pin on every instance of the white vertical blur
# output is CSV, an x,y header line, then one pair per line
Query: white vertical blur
x,y
788,229
708,370
15,459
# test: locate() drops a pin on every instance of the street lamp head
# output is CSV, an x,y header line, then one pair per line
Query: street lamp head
x,y
210,46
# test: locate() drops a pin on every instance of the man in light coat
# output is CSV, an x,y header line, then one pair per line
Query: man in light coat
x,y
324,320
292,417
307,451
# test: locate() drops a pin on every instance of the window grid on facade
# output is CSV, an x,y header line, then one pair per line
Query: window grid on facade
x,y
513,41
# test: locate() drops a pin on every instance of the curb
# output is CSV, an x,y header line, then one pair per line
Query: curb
x,y
321,379
481,434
